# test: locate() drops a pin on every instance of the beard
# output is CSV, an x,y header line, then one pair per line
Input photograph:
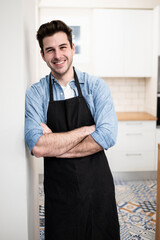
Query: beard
x,y
58,73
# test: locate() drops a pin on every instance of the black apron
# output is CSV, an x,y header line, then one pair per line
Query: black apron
x,y
79,192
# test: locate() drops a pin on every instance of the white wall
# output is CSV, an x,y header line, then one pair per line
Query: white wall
x,y
30,74
18,179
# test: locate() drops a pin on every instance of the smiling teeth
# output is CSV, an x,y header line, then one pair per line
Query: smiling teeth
x,y
59,62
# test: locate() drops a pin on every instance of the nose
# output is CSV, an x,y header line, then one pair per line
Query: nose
x,y
57,54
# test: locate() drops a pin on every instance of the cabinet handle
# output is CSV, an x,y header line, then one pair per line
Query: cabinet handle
x,y
134,123
133,154
134,134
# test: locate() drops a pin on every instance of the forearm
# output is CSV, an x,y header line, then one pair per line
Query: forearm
x,y
53,144
85,148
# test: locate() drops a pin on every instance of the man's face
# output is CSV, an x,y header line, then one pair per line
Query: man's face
x,y
58,54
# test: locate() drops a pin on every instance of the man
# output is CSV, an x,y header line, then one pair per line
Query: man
x,y
70,119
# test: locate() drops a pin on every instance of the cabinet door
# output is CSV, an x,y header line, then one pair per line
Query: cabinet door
x,y
122,43
137,43
108,39
131,161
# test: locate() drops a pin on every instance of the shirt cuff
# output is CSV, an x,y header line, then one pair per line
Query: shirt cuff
x,y
99,140
32,140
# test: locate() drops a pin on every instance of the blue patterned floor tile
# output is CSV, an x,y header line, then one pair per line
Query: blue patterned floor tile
x,y
150,226
131,207
42,237
148,206
124,193
143,192
148,235
124,232
137,237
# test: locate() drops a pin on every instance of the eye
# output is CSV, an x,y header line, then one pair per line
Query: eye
x,y
49,50
63,47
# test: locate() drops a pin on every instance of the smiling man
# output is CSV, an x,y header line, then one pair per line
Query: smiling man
x,y
70,120
58,54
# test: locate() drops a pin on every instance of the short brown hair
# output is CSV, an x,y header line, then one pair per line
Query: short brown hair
x,y
50,28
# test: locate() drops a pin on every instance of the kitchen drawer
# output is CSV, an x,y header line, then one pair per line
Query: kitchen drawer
x,y
136,125
135,140
121,161
135,147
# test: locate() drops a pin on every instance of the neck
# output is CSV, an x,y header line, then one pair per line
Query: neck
x,y
64,78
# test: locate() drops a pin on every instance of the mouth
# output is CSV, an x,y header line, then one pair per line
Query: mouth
x,y
59,63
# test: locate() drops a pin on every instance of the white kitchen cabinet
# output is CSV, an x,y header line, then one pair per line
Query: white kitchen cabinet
x,y
122,43
108,40
135,148
138,43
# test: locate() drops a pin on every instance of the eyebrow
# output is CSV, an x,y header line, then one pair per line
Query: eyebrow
x,y
61,45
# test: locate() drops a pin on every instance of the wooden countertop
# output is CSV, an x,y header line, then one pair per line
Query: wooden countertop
x,y
135,116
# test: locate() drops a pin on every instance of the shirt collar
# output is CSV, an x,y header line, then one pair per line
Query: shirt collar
x,y
79,75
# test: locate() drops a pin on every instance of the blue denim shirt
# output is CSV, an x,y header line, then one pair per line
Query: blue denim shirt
x,y
97,96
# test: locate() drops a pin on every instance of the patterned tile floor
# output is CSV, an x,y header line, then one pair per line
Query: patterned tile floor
x,y
136,204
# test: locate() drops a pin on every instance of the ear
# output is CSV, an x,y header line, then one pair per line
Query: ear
x,y
73,48
42,55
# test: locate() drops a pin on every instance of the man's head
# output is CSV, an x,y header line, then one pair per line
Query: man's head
x,y
57,49
49,29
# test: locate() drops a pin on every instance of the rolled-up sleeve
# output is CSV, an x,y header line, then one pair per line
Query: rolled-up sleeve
x,y
105,115
34,115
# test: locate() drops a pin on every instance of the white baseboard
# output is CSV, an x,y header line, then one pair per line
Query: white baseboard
x,y
133,176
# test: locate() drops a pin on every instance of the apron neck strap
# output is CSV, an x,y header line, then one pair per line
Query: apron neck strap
x,y
50,88
76,82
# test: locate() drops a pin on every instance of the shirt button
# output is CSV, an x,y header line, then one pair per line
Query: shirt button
x,y
61,93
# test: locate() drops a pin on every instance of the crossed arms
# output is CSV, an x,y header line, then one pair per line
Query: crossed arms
x,y
71,144
79,142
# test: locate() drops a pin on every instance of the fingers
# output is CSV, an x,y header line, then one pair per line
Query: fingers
x,y
46,129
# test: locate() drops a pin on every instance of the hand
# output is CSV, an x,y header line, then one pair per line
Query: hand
x,y
46,129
